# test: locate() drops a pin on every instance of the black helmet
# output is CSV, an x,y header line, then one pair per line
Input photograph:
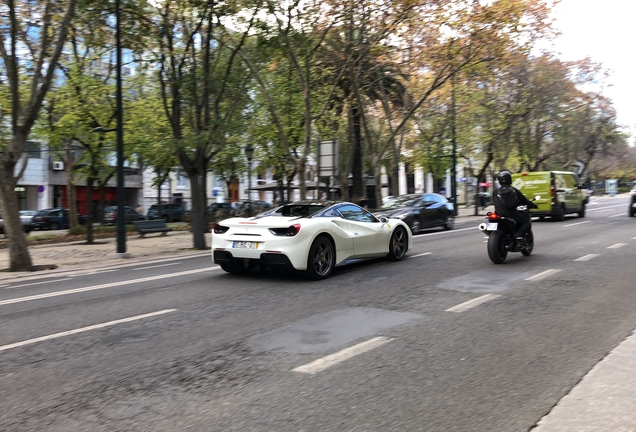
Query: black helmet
x,y
504,178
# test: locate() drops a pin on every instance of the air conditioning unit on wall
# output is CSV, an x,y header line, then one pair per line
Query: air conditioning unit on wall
x,y
58,166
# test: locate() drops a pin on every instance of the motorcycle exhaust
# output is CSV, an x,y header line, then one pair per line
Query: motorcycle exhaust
x,y
482,226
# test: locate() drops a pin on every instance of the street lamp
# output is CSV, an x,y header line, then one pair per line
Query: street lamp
x,y
249,153
121,191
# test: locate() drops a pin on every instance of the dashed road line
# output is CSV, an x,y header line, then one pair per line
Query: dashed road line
x,y
542,275
37,283
472,303
419,255
617,245
83,329
347,353
576,223
155,266
618,215
586,257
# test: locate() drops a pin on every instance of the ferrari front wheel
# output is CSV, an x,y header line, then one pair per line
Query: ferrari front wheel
x,y
321,259
398,244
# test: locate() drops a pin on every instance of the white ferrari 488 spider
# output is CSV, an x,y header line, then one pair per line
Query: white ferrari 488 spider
x,y
308,236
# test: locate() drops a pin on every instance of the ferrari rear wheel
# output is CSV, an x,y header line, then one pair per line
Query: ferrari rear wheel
x,y
321,259
398,244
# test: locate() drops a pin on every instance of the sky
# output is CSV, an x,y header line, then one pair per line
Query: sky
x,y
605,31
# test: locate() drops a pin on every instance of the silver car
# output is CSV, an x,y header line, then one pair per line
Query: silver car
x,y
26,216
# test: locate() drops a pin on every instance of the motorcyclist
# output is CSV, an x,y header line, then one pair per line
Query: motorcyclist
x,y
507,198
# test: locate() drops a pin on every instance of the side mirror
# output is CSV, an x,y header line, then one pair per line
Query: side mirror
x,y
384,220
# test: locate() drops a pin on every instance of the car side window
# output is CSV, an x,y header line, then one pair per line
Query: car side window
x,y
331,213
355,213
428,200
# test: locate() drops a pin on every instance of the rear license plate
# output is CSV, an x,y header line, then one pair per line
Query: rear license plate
x,y
245,245
491,227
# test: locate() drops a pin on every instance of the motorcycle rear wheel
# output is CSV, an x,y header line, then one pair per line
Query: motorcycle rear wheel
x,y
496,251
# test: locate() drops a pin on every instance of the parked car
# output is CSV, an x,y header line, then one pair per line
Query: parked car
x,y
258,206
55,218
420,211
26,216
167,210
220,209
312,237
632,202
110,215
26,219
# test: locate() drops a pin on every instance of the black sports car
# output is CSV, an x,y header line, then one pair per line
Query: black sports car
x,y
420,211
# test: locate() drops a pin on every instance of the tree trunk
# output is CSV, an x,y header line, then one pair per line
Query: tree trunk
x,y
357,187
19,258
102,201
69,165
199,228
89,210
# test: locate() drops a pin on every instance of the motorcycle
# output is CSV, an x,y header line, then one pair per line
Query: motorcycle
x,y
501,236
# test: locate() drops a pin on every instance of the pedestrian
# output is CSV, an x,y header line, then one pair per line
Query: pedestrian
x,y
139,209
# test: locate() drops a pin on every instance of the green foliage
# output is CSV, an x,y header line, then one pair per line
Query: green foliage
x,y
77,230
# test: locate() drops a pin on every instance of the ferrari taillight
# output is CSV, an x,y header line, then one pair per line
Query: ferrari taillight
x,y
293,230
219,229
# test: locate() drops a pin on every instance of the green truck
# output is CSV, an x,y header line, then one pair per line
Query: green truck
x,y
561,192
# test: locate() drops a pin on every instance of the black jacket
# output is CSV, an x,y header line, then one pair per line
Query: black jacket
x,y
499,207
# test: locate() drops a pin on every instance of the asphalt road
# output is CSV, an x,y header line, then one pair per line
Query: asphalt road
x,y
180,345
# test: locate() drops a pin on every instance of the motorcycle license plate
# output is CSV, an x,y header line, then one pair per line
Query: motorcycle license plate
x,y
245,245
491,227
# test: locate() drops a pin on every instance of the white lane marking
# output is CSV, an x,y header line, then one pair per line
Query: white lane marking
x,y
99,272
419,255
472,303
617,245
606,208
543,275
2,286
444,232
577,223
618,215
98,287
83,329
347,353
37,283
586,257
155,266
